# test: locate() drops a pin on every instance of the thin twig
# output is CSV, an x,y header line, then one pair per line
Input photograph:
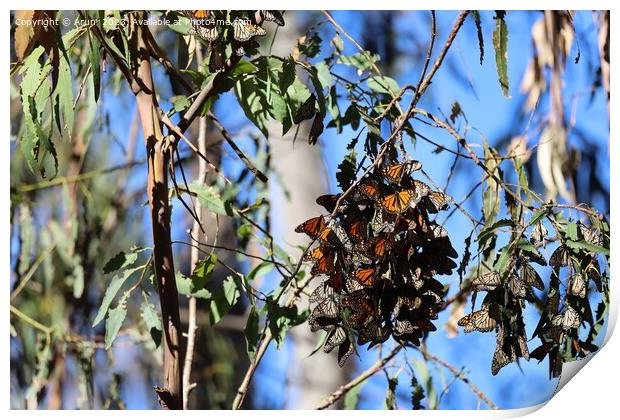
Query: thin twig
x,y
340,392
261,176
460,375
192,326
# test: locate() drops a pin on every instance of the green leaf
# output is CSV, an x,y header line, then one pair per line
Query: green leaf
x,y
210,199
180,103
260,270
538,216
346,170
114,322
417,394
476,15
323,74
502,261
202,272
359,61
184,286
243,67
180,24
94,57
571,231
500,43
252,333
586,246
390,397
224,299
489,231
64,90
122,260
111,292
283,318
383,84
352,397
152,320
426,380
77,276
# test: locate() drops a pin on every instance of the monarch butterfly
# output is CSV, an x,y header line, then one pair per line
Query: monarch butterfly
x,y
322,292
326,309
356,318
335,281
208,33
328,201
379,246
383,222
321,323
370,189
360,302
539,232
406,302
433,297
335,338
312,227
244,30
437,231
437,201
560,257
500,359
579,286
357,230
352,285
316,130
324,261
328,236
196,14
421,189
272,16
424,324
478,321
306,110
397,202
589,235
402,327
534,256
570,318
530,276
372,332
517,287
344,351
395,173
358,258
365,276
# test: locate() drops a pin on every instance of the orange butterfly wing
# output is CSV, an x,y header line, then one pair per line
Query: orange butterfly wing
x,y
312,227
365,276
397,202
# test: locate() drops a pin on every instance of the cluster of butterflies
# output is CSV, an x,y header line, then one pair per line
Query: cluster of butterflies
x,y
379,250
237,28
501,309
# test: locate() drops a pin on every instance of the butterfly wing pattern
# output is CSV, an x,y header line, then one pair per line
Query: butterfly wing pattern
x,y
379,272
240,28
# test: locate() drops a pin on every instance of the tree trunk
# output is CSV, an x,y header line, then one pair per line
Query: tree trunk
x,y
157,189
